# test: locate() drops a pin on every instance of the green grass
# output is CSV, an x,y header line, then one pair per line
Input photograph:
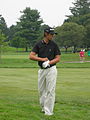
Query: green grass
x,y
19,94
19,98
8,49
21,60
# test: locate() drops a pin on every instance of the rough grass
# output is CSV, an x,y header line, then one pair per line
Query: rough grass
x,y
19,94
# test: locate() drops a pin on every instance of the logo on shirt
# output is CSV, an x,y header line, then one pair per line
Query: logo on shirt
x,y
50,50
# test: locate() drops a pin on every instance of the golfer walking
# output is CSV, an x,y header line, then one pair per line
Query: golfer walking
x,y
47,53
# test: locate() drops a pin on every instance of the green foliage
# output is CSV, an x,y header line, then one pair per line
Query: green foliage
x,y
70,34
27,30
3,26
30,23
2,38
12,32
87,42
81,7
81,20
81,15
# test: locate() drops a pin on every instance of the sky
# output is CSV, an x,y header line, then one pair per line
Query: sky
x,y
53,12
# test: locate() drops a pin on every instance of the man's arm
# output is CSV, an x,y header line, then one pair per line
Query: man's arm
x,y
55,60
33,56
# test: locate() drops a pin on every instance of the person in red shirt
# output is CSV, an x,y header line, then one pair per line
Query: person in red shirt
x,y
82,56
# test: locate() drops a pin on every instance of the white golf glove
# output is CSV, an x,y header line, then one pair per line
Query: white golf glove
x,y
46,64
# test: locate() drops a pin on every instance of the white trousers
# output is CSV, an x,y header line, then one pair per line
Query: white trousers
x,y
46,87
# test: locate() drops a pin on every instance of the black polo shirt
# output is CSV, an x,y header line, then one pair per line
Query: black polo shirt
x,y
43,50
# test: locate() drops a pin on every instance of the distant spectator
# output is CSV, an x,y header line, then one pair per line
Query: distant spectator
x,y
82,56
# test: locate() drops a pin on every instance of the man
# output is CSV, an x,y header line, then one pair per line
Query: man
x,y
48,55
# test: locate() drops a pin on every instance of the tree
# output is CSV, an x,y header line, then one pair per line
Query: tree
x,y
2,43
3,26
81,16
14,37
81,7
87,41
70,34
29,27
81,20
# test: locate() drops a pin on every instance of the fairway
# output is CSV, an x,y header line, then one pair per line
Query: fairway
x,y
19,98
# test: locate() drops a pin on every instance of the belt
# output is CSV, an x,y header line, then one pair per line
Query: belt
x,y
46,67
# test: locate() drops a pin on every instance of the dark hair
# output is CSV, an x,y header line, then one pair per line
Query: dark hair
x,y
45,34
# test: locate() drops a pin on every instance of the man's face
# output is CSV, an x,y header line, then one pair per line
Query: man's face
x,y
50,36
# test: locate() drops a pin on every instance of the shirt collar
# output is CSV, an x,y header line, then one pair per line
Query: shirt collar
x,y
45,43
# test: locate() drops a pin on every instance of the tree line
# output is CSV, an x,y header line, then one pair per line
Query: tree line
x,y
74,32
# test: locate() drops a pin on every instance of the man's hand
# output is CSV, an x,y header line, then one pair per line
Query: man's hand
x,y
46,64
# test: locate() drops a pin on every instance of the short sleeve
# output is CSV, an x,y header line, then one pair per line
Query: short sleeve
x,y
35,49
57,50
